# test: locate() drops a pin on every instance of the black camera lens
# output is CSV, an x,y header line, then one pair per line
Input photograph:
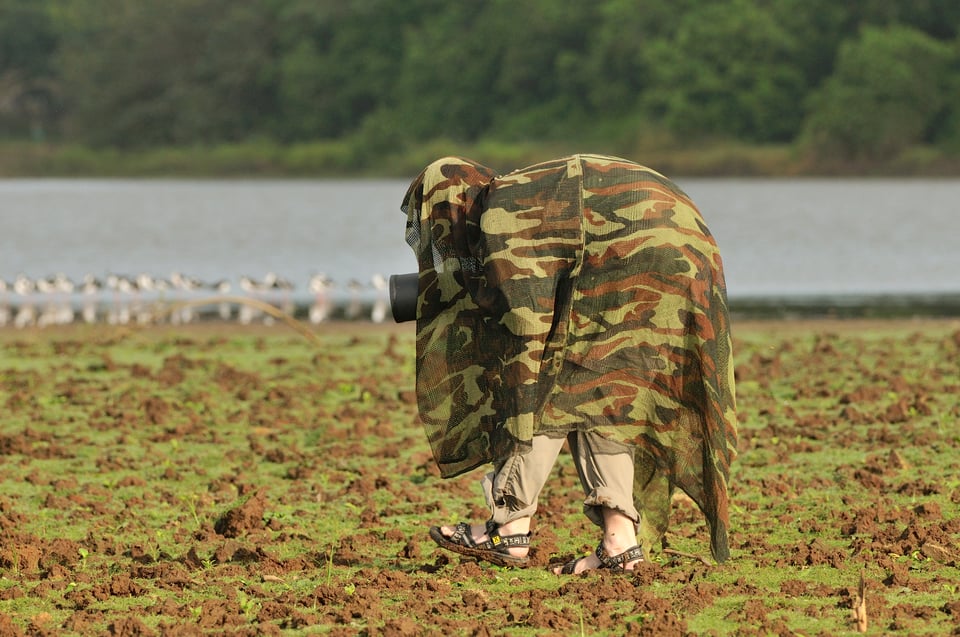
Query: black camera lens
x,y
404,290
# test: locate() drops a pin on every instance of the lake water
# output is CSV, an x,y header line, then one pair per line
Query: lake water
x,y
779,237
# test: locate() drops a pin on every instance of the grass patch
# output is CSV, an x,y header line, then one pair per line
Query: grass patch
x,y
250,482
362,156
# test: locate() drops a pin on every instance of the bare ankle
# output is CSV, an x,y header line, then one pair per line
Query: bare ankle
x,y
520,526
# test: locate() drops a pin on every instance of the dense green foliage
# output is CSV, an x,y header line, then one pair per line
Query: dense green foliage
x,y
858,80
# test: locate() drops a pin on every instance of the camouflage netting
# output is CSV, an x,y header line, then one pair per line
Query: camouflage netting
x,y
581,293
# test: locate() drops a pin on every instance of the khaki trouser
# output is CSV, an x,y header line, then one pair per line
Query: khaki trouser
x,y
605,469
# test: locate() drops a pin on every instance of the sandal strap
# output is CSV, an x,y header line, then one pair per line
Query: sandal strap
x,y
499,542
462,535
618,562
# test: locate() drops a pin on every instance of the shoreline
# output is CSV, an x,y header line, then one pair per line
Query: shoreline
x,y
327,159
375,310
847,306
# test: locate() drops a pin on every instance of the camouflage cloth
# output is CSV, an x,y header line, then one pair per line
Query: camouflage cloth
x,y
580,293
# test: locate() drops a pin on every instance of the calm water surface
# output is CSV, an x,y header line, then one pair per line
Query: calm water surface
x,y
777,236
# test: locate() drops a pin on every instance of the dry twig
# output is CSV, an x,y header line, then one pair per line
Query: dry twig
x,y
860,606
688,555
239,300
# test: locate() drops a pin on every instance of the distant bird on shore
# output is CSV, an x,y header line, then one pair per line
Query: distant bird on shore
x,y
319,283
220,287
91,285
46,285
380,304
185,283
24,285
149,283
251,285
121,283
278,283
354,286
270,283
354,305
63,283
379,282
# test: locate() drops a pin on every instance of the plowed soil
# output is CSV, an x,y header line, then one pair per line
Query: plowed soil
x,y
248,481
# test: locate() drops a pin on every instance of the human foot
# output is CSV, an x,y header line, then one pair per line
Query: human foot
x,y
489,542
614,559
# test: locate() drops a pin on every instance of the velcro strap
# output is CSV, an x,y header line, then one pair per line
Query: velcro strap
x,y
618,561
497,541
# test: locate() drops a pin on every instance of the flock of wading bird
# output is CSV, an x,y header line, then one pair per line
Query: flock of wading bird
x,y
178,299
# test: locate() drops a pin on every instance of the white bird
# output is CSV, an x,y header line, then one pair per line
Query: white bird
x,y
269,283
91,284
220,287
277,283
354,305
147,283
185,283
59,282
319,283
121,283
23,285
354,286
380,305
65,284
45,285
251,285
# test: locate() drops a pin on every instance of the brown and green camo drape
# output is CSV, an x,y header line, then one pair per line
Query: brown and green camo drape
x,y
580,293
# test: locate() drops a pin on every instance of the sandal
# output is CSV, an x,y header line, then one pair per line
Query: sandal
x,y
611,562
494,550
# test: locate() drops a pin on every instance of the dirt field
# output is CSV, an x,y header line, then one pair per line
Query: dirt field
x,y
219,480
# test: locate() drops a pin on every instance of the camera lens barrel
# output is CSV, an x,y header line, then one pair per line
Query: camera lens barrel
x,y
404,290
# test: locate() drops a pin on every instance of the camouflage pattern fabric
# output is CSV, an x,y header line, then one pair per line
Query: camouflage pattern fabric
x,y
580,293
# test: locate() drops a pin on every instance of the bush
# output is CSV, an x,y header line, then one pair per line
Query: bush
x,y
888,89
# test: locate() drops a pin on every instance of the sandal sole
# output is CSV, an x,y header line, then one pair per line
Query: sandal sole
x,y
608,564
486,555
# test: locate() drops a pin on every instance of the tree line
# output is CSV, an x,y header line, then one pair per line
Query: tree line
x,y
858,79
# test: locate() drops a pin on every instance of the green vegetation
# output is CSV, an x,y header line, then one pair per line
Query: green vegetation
x,y
226,480
326,87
